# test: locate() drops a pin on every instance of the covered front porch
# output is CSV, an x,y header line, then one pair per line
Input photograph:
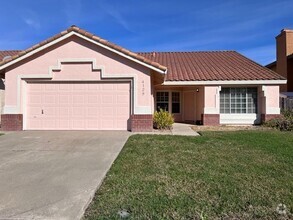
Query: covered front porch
x,y
215,105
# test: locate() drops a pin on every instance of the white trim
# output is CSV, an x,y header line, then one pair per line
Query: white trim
x,y
85,38
272,110
211,110
24,104
264,89
239,119
231,82
10,109
140,110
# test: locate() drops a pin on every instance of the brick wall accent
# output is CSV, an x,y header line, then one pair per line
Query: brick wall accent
x,y
141,123
265,117
210,119
11,122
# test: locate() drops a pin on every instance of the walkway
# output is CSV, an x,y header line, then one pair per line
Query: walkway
x,y
181,129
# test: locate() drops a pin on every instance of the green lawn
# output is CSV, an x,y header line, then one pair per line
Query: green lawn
x,y
238,174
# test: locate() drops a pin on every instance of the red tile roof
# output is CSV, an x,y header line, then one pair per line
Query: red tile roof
x,y
180,66
8,53
210,66
92,37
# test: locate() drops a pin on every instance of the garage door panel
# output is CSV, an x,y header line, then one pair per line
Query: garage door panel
x,y
123,111
64,99
93,99
50,111
108,87
78,106
107,124
50,99
78,99
107,99
49,124
64,124
64,111
35,111
92,112
121,99
78,124
35,99
64,87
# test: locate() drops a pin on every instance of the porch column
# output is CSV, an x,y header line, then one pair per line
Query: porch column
x,y
270,102
211,110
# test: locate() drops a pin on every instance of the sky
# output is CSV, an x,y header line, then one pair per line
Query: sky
x,y
247,26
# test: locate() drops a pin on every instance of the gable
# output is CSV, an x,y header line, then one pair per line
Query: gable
x,y
76,59
75,31
75,48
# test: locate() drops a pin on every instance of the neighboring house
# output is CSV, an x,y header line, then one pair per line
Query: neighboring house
x,y
284,63
4,55
78,81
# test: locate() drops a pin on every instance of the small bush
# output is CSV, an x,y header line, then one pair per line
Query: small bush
x,y
283,123
288,114
163,119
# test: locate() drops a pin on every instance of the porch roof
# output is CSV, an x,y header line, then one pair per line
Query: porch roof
x,y
211,66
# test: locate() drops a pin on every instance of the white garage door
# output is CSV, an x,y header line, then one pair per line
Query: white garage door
x,y
77,106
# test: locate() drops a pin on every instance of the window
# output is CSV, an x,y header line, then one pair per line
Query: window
x,y
238,100
175,102
163,101
163,98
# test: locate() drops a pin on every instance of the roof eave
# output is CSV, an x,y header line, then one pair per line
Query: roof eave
x,y
225,82
161,69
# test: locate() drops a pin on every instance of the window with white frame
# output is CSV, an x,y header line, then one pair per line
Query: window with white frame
x,y
163,99
238,100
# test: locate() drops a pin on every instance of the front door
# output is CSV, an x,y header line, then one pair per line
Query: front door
x,y
189,106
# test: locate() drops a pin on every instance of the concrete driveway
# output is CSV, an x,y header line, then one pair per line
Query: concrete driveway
x,y
53,174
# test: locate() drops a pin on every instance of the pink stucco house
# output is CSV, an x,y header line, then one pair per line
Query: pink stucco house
x,y
78,81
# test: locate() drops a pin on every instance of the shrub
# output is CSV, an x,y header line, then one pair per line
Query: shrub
x,y
283,123
288,114
163,119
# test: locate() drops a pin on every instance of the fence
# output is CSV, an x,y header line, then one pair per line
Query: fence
x,y
286,103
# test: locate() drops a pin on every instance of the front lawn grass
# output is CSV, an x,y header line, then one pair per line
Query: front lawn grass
x,y
238,174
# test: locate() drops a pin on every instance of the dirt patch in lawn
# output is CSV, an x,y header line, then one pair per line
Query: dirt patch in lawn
x,y
229,128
